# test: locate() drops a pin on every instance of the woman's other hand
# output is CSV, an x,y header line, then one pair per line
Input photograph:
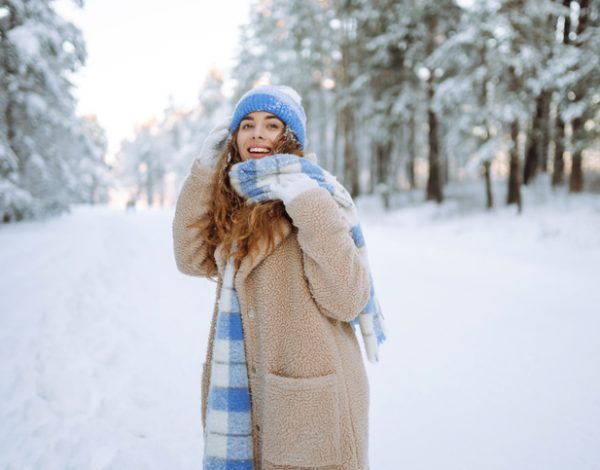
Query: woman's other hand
x,y
214,143
276,177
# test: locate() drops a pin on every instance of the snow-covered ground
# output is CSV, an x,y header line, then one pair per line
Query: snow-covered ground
x,y
492,360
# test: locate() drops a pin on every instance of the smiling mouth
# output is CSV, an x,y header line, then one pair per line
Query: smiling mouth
x,y
259,151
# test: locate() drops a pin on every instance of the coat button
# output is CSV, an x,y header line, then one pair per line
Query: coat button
x,y
251,313
253,370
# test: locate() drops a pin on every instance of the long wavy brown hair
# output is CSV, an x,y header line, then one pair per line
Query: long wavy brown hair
x,y
240,227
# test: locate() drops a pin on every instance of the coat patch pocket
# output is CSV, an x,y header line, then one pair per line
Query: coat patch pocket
x,y
301,426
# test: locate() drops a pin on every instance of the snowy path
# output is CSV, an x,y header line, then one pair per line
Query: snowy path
x,y
492,361
99,354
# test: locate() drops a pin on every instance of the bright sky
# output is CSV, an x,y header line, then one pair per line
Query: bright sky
x,y
140,52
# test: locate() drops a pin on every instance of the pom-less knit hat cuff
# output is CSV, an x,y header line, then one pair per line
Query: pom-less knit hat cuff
x,y
281,101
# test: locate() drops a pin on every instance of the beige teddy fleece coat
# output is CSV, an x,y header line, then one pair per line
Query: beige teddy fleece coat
x,y
306,374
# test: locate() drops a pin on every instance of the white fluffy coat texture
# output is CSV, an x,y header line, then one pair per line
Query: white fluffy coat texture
x,y
309,387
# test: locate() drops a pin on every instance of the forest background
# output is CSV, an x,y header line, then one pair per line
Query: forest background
x,y
403,97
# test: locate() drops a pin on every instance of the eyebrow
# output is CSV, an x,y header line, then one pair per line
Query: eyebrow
x,y
270,116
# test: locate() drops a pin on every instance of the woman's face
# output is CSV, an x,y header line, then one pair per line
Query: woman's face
x,y
258,134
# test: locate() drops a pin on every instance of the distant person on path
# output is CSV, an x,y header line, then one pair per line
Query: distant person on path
x,y
284,384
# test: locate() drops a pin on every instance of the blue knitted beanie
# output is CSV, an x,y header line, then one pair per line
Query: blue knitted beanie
x,y
283,101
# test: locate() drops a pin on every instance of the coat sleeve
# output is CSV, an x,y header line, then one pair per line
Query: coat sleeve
x,y
337,277
193,202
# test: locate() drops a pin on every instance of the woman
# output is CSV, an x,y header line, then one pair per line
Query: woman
x,y
284,385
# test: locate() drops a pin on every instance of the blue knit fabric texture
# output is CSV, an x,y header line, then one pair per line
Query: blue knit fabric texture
x,y
275,100
228,441
249,177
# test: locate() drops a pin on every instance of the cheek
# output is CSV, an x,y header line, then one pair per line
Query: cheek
x,y
275,134
238,141
241,147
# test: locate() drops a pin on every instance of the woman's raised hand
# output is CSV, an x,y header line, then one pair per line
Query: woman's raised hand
x,y
214,143
277,177
287,187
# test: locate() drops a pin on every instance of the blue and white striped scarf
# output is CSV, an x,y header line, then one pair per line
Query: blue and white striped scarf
x,y
228,441
251,179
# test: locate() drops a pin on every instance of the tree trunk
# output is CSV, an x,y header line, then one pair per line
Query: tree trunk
x,y
434,183
444,160
579,133
489,197
578,136
536,156
383,170
559,150
567,25
373,163
514,185
383,150
530,165
544,137
559,128
350,155
412,151
337,163
576,180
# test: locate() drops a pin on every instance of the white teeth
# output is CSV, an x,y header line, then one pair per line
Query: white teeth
x,y
259,150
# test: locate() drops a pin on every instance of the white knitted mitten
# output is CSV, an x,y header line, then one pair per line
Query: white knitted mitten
x,y
287,186
213,144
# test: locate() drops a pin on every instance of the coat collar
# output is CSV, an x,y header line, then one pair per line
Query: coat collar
x,y
248,265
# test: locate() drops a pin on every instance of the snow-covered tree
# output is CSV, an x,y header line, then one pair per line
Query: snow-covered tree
x,y
43,144
94,173
186,130
400,37
143,162
496,69
167,146
395,90
460,84
581,102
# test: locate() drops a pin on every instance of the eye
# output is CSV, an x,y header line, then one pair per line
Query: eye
x,y
246,125
274,125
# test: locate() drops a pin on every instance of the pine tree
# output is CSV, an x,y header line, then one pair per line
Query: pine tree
x,y
564,31
465,95
584,105
40,136
540,36
471,82
394,90
94,174
440,20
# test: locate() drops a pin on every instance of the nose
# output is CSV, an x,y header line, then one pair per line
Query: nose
x,y
258,131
